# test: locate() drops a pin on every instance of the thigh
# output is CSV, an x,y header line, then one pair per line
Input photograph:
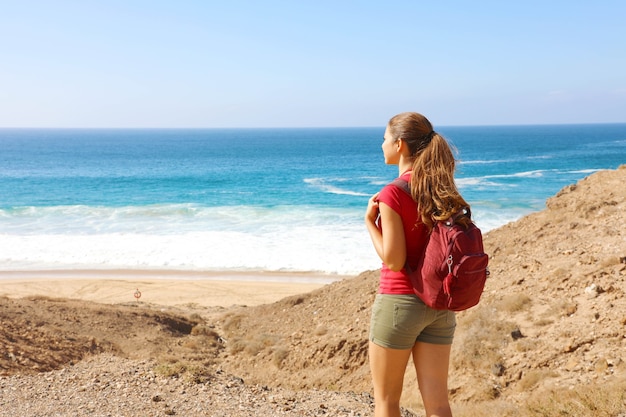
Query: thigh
x,y
431,367
388,367
431,361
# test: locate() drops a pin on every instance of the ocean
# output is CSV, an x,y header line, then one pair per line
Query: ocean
x,y
252,200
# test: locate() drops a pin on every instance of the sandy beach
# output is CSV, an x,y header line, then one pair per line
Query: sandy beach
x,y
170,288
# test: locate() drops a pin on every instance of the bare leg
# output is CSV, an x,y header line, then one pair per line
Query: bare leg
x,y
387,367
431,367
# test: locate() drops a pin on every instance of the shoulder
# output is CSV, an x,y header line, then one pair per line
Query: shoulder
x,y
392,189
395,194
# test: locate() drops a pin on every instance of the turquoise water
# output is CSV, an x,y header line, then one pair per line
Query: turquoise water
x,y
253,199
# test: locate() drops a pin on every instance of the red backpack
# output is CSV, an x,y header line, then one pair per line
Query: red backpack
x,y
452,272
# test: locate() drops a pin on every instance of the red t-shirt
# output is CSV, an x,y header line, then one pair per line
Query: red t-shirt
x,y
415,234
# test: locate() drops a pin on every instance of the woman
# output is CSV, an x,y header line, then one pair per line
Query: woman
x,y
402,325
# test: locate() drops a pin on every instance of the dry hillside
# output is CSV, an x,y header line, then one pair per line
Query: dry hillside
x,y
552,320
553,313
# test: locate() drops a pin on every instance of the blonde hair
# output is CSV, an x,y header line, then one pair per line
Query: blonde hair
x,y
432,177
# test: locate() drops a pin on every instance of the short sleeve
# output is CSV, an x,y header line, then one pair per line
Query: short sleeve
x,y
390,195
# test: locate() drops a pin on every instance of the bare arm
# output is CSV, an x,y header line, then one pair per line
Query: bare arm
x,y
390,246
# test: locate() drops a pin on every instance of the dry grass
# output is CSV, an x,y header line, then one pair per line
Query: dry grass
x,y
526,345
481,346
500,408
560,308
232,322
279,355
204,330
513,302
601,400
170,367
189,370
252,346
192,356
531,378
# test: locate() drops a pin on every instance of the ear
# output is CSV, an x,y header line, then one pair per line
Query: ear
x,y
400,145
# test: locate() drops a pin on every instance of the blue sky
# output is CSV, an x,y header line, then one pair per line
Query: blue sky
x,y
310,63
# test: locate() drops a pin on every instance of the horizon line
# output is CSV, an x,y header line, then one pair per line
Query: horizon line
x,y
289,127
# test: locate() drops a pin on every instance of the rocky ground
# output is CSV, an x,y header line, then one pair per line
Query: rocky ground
x,y
552,320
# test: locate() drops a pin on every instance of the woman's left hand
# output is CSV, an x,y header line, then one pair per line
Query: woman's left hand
x,y
372,212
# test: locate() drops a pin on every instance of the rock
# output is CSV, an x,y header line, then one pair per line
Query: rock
x,y
498,369
592,291
517,334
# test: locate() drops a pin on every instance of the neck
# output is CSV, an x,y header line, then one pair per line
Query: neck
x,y
403,168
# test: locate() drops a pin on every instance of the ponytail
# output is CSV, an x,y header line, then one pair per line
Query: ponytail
x,y
432,176
432,183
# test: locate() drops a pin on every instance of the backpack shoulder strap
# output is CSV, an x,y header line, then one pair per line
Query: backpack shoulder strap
x,y
402,184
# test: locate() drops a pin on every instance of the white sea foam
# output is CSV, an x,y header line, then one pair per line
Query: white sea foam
x,y
325,186
187,237
583,171
486,161
490,218
491,180
480,182
328,251
504,160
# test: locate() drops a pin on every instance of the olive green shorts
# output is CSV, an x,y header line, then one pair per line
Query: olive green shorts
x,y
398,321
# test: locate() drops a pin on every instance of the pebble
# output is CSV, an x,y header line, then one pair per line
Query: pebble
x,y
135,390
